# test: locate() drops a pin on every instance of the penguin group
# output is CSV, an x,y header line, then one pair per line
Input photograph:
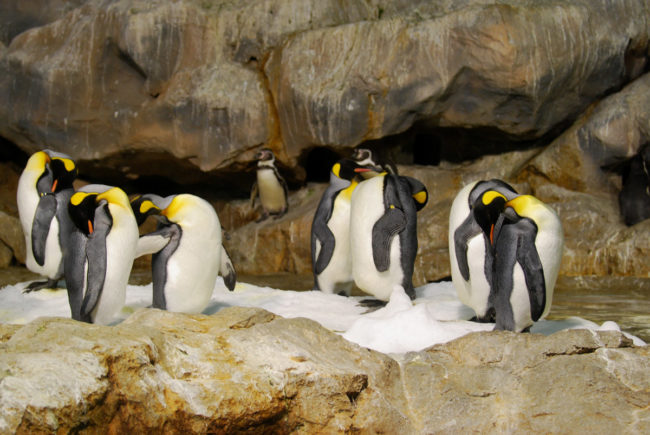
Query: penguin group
x,y
365,229
504,248
90,238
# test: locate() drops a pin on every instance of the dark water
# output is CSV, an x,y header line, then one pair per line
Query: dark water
x,y
623,300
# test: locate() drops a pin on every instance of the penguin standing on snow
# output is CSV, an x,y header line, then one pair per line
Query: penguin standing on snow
x,y
44,189
330,230
100,253
383,233
528,252
474,211
187,251
270,185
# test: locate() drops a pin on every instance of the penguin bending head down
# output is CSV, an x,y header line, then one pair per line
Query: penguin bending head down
x,y
383,233
187,251
100,253
44,189
330,229
270,185
528,247
474,213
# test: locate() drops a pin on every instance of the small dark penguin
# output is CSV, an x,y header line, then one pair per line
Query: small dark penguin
x,y
270,186
100,252
383,233
634,198
187,249
528,242
473,214
330,230
44,189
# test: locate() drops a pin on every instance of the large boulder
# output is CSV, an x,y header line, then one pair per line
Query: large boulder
x,y
201,85
244,370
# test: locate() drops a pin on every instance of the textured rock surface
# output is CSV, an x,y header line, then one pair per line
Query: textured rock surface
x,y
248,370
208,81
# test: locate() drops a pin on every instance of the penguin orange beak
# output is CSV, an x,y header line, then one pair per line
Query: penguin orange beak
x,y
361,170
90,227
54,185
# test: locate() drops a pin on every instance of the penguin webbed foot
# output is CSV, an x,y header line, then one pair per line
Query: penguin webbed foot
x,y
372,303
489,317
40,285
262,218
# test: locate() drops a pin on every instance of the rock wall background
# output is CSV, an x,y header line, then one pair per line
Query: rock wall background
x,y
178,96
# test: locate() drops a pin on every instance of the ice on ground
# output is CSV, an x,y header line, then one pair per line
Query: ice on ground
x,y
436,316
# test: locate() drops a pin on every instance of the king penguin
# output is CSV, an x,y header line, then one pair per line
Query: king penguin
x,y
383,233
528,252
187,251
476,206
330,230
44,189
270,185
100,253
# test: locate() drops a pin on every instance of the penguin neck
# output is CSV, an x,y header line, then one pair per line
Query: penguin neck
x,y
266,164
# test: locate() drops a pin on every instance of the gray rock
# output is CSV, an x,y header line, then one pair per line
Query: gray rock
x,y
11,234
199,86
245,369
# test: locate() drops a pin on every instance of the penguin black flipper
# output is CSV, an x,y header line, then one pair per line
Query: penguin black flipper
x,y
388,226
43,216
515,243
97,261
173,232
528,258
227,270
74,263
324,235
467,230
254,191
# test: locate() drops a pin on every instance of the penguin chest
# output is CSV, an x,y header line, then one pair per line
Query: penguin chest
x,y
339,269
270,190
191,272
367,207
478,285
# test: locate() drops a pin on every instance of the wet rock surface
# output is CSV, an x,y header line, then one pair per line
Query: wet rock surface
x,y
245,369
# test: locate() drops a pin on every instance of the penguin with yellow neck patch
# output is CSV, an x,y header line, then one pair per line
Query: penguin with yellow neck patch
x,y
100,252
330,230
44,189
474,213
528,243
187,251
383,233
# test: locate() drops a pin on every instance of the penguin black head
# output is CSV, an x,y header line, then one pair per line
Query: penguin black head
x,y
264,155
365,157
81,208
487,209
143,207
64,171
57,171
348,169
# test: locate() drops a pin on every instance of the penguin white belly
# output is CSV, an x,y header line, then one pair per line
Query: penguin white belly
x,y
121,244
549,244
479,287
520,300
367,208
271,191
192,272
457,215
339,269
